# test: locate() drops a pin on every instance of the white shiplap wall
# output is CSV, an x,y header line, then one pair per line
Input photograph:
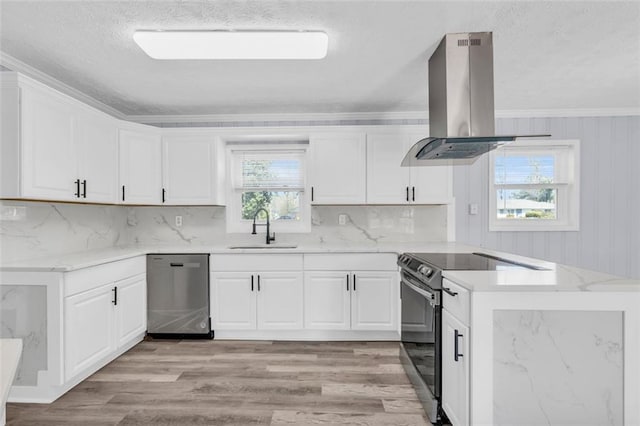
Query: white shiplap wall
x,y
609,235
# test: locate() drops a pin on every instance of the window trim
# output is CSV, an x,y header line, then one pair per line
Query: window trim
x,y
234,222
568,195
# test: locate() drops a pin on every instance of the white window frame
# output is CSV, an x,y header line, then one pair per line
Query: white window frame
x,y
568,192
235,223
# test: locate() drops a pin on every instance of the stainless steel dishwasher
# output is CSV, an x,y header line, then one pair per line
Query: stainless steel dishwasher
x,y
178,296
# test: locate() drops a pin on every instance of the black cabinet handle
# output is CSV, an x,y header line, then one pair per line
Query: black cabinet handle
x,y
122,192
251,282
84,188
312,193
77,193
115,296
164,191
407,193
347,282
449,292
413,193
176,265
456,355
354,282
258,282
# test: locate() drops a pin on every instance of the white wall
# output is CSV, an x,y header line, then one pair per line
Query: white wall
x,y
609,236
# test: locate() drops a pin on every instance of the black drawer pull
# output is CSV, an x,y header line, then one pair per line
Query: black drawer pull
x,y
115,296
347,282
77,193
407,193
122,192
84,188
449,291
177,265
354,282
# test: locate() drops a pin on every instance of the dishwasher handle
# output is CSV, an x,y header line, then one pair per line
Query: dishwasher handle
x,y
185,265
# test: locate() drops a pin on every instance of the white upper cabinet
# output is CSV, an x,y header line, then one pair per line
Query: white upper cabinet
x,y
191,170
97,138
389,183
338,168
54,147
49,156
140,167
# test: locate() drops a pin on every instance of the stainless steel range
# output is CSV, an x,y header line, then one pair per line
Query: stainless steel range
x,y
421,293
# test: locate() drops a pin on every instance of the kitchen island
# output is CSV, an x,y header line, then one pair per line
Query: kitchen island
x,y
513,372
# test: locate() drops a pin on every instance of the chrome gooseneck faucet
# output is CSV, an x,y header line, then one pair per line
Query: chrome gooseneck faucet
x,y
270,237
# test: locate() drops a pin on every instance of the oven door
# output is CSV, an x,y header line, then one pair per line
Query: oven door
x,y
421,337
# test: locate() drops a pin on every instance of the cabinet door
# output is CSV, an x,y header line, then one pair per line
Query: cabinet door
x,y
131,308
279,300
88,329
455,373
97,139
188,169
140,168
49,163
338,169
327,300
430,184
233,301
387,182
374,301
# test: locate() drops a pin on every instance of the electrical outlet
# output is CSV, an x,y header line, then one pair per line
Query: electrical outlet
x,y
473,208
178,221
342,219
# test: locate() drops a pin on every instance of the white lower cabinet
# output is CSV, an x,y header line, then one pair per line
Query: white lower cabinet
x,y
336,298
131,308
374,300
327,300
455,356
89,329
250,300
104,311
351,300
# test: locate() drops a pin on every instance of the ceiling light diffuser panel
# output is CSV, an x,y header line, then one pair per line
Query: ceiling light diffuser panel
x,y
233,44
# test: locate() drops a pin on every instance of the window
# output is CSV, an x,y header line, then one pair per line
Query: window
x,y
270,177
534,186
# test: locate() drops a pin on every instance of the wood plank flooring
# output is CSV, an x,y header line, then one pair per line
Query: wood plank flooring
x,y
169,382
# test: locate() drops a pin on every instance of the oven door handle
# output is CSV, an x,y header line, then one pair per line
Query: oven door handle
x,y
432,297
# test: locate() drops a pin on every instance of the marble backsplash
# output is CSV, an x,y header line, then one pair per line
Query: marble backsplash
x,y
36,229
364,225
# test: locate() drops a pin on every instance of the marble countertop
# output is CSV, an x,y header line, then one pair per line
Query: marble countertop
x,y
556,277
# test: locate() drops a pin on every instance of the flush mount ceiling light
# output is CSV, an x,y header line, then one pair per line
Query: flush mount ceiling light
x,y
233,44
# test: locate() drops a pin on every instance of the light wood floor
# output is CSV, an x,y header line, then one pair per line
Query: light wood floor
x,y
239,383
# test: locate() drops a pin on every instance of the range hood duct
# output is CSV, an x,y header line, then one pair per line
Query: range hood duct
x,y
461,110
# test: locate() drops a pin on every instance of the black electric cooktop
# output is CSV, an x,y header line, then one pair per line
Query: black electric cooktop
x,y
469,262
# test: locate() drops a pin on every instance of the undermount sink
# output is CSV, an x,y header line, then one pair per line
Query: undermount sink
x,y
264,246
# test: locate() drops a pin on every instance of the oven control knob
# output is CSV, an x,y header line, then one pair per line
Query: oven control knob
x,y
425,270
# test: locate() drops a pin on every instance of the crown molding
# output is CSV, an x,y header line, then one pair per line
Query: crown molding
x,y
369,116
573,112
17,65
329,116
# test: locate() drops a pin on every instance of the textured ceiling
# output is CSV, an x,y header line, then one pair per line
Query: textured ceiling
x,y
547,55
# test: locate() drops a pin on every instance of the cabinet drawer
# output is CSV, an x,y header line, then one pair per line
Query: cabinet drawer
x,y
350,262
95,276
457,305
255,262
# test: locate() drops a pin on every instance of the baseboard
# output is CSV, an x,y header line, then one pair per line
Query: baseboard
x,y
308,335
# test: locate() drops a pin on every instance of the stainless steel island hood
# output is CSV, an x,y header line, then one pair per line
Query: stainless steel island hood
x,y
461,111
